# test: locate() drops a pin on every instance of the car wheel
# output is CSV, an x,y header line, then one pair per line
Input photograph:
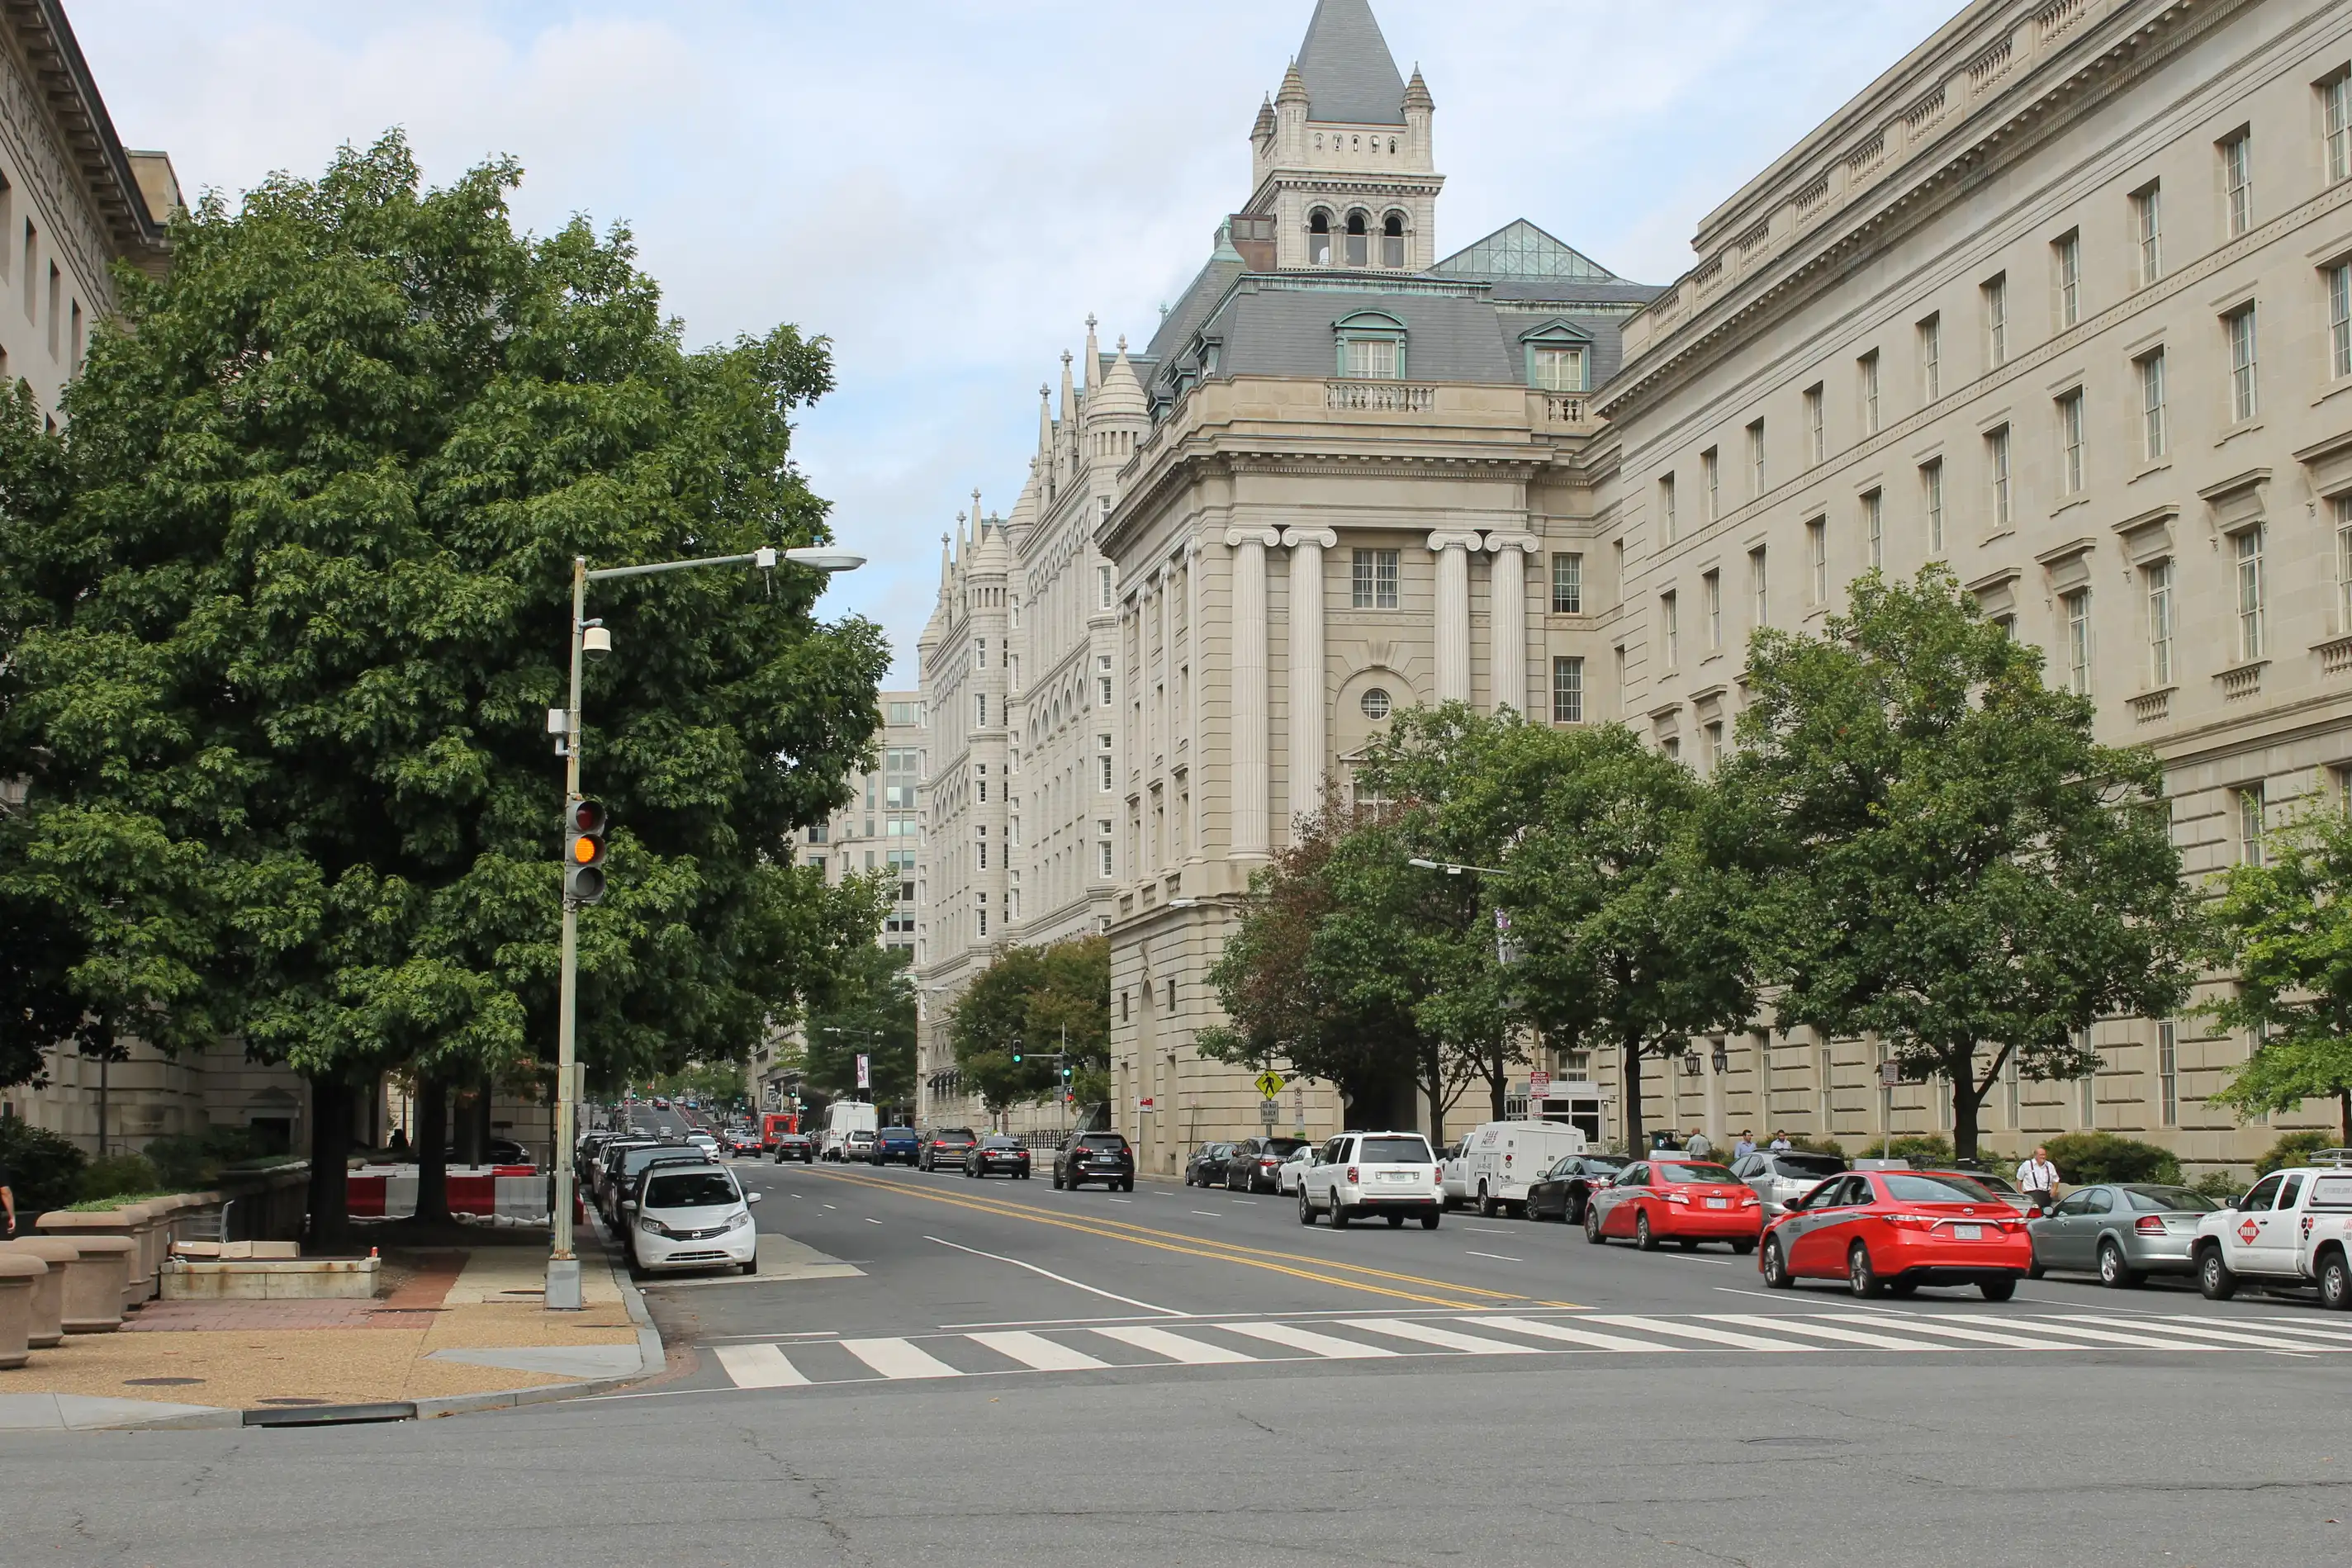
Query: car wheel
x,y
2034,1270
1306,1209
1339,1213
1742,1248
1057,1181
1776,1268
1593,1226
1997,1290
2335,1282
750,1267
1127,1185
1487,1208
1861,1277
1574,1213
1644,1237
2114,1272
1429,1221
2215,1282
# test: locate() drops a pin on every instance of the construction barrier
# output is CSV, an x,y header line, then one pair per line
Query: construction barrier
x,y
513,1192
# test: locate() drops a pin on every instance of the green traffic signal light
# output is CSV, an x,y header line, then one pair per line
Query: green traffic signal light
x,y
1016,1059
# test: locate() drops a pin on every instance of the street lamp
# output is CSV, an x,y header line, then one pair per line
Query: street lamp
x,y
590,639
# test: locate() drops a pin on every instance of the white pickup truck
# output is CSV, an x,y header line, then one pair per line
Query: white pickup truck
x,y
2293,1230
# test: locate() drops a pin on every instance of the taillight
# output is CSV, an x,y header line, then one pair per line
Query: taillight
x,y
1911,1221
1351,1175
2149,1225
1269,1163
1681,1197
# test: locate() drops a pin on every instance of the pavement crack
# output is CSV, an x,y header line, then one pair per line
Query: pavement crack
x,y
1256,1422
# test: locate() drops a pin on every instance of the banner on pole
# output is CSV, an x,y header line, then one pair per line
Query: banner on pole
x,y
865,1072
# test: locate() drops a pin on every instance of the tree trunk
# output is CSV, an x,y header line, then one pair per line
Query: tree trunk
x,y
330,1231
1968,1096
1628,1084
431,1143
1497,1081
473,1118
2343,1113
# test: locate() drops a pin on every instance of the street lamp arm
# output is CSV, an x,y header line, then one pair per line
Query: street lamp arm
x,y
815,558
1452,868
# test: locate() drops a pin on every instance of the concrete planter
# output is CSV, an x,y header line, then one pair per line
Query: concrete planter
x,y
47,1328
18,1274
94,1283
137,1224
270,1280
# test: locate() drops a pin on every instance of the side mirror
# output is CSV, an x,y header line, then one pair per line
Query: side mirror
x,y
753,1196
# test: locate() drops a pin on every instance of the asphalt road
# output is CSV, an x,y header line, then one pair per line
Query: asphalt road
x,y
1185,1375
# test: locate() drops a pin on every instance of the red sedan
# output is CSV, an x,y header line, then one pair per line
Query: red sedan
x,y
1683,1201
1894,1232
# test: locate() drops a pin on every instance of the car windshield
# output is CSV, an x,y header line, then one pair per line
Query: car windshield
x,y
898,1132
1921,1188
1002,1143
1987,1179
1808,1167
637,1160
692,1189
2158,1199
1285,1147
1687,1173
1396,1150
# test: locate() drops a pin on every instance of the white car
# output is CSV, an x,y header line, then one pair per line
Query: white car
x,y
693,1216
1286,1175
1358,1175
708,1142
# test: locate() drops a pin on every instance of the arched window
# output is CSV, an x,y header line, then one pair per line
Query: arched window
x,y
1318,239
1371,346
1392,243
1360,241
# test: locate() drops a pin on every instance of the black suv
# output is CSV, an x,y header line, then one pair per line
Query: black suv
x,y
945,1147
1096,1156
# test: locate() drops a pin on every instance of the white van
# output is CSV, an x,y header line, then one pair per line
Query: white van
x,y
842,1118
1501,1158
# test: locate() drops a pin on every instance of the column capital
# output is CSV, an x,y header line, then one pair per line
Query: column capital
x,y
1328,538
1527,542
1236,538
1453,539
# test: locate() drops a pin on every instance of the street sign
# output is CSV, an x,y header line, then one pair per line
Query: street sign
x,y
1144,1103
1270,1083
1538,1084
865,1072
1890,1073
1267,1110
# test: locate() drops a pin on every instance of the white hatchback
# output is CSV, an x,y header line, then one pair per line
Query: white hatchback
x,y
1287,1174
693,1216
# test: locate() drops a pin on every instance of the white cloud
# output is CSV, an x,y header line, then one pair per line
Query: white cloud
x,y
945,187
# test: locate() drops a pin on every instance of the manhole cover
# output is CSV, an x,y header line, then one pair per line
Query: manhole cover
x,y
159,1382
293,1401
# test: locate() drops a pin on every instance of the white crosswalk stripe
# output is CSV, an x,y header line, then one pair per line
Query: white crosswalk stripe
x,y
1569,1334
897,1358
1037,1353
1816,1329
2230,1336
1176,1347
1699,1331
1310,1341
759,1366
1925,1323
1445,1339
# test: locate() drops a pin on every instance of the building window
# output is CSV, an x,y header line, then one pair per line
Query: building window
x,y
1997,467
2336,100
2250,825
1995,294
1392,242
1713,584
819,832
2339,321
1102,763
1931,496
2152,433
1760,591
2243,404
2070,443
1670,621
2147,233
1568,585
1375,579
980,710
1874,522
2248,548
1376,703
2077,608
1710,469
1359,240
2238,184
1931,358
1756,459
1667,504
1102,852
1556,368
1318,239
1817,562
1567,691
1816,425
2158,580
1371,346
2066,265
1102,680
1868,368
2341,506
1102,587
2167,1074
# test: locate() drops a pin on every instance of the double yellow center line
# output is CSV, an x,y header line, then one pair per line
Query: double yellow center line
x,y
1320,1271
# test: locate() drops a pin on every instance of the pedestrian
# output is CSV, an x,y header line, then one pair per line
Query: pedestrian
x,y
2037,1178
1744,1145
1696,1144
9,1198
1780,1143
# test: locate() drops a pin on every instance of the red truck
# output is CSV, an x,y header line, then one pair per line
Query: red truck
x,y
773,1125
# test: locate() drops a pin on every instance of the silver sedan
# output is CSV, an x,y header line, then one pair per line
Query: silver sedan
x,y
2121,1232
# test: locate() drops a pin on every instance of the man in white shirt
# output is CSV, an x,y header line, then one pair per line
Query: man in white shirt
x,y
1780,1143
1698,1145
2037,1178
1744,1145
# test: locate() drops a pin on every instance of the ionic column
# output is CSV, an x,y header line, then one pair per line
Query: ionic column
x,y
1249,672
1452,552
1308,744
1506,619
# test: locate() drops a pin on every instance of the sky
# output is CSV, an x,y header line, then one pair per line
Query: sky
x,y
946,188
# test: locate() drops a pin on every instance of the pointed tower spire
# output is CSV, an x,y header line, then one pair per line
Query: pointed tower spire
x,y
1094,356
1264,126
1294,86
1349,77
1045,419
947,564
979,525
1070,393
1416,92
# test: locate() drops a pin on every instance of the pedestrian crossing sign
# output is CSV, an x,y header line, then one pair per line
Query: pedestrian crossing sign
x,y
1270,1083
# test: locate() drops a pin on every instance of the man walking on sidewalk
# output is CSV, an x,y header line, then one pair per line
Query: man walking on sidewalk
x,y
2037,1178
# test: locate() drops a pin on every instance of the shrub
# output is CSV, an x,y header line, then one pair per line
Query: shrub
x,y
46,1169
192,1162
1810,1144
2295,1149
1920,1148
2085,1159
117,1176
2219,1186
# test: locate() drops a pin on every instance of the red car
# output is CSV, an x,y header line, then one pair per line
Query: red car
x,y
1894,1232
1679,1200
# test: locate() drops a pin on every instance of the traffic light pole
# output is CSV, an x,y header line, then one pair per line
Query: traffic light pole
x,y
563,1263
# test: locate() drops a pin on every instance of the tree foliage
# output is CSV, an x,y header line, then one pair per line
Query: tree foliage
x,y
1036,1003
867,1009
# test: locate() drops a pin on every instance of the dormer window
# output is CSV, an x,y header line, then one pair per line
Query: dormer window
x,y
1558,357
1371,346
1392,242
1359,240
1318,239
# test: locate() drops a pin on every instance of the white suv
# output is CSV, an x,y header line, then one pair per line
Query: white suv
x,y
1362,1174
693,1216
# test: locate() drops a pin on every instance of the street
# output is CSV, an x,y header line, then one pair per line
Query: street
x,y
1095,1377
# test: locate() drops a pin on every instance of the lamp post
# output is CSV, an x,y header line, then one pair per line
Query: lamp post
x,y
591,640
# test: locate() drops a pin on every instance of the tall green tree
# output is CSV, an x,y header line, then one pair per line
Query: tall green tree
x,y
288,598
1036,1004
1956,864
866,1008
2285,927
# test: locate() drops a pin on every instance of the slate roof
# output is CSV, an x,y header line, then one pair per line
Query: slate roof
x,y
1350,75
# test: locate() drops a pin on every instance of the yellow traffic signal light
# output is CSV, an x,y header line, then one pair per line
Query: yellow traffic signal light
x,y
583,852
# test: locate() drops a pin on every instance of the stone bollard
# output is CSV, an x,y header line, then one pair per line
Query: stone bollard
x,y
47,1327
18,1274
93,1293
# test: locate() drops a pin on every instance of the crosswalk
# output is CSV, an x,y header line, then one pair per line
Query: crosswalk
x,y
1204,1342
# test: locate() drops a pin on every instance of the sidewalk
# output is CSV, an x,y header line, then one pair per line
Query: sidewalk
x,y
450,1328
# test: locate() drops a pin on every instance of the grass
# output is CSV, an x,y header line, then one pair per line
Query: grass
x,y
123,1201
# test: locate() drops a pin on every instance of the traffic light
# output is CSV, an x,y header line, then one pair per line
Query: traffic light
x,y
583,852
1016,1056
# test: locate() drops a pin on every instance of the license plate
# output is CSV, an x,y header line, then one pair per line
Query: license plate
x,y
1969,1232
1718,1203
1396,1176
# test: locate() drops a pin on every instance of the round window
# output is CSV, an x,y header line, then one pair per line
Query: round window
x,y
1376,703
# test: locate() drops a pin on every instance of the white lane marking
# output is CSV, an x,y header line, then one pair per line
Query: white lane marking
x,y
1445,1338
1698,1331
1206,1213
1472,1253
1490,1230
1176,1347
871,1220
2258,1342
1059,1278
779,1334
759,1366
2107,1336
1038,1352
1309,1341
2268,1325
896,1359
828,1206
1802,1326
1567,1334
1122,1200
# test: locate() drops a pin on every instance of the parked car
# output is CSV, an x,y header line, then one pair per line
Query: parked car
x,y
998,1156
1684,1201
2122,1233
497,1152
798,1146
1894,1232
605,1174
1254,1162
1096,1156
1568,1187
1207,1165
632,1181
1286,1177
693,1216
947,1146
1779,1178
895,1145
702,1140
2293,1228
857,1144
1359,1174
